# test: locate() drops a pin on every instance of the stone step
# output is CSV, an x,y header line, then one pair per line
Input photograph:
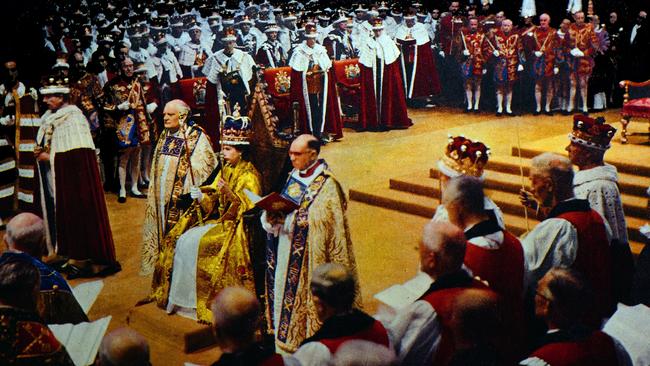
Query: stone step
x,y
507,201
402,201
622,167
633,205
631,184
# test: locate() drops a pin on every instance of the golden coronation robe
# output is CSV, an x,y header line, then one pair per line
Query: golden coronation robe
x,y
316,233
171,178
222,258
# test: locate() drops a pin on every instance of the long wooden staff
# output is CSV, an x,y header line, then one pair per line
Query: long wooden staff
x,y
521,174
182,116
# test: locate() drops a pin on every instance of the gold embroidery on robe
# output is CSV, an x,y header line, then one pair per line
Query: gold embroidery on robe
x,y
223,255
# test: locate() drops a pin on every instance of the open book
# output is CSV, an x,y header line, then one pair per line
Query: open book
x,y
630,325
81,340
399,296
87,292
273,202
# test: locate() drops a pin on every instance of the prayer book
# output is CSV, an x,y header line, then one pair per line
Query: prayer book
x,y
629,325
81,340
87,292
399,296
274,202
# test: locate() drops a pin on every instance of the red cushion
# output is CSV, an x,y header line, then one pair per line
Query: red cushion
x,y
279,81
347,72
637,108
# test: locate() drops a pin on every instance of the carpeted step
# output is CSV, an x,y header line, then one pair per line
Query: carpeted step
x,y
622,167
508,202
401,201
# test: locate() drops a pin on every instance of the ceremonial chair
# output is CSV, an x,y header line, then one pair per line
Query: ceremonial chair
x,y
278,86
348,86
637,107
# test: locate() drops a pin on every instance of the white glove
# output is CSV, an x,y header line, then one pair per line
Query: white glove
x,y
495,53
123,106
442,53
538,53
8,120
484,71
556,70
577,53
645,230
196,194
466,52
520,68
151,107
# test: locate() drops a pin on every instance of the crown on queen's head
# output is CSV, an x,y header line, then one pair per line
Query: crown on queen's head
x,y
592,132
377,23
237,130
55,84
464,157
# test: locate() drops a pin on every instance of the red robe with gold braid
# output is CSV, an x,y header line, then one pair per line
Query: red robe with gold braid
x,y
441,296
564,348
478,49
584,38
545,41
25,340
510,48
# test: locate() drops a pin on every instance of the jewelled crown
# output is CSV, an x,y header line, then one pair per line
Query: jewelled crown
x,y
55,84
237,130
464,157
592,132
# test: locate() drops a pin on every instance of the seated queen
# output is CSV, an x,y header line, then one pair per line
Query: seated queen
x,y
208,250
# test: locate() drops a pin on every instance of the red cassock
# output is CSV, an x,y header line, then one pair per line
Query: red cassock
x,y
418,66
593,258
333,124
387,110
597,349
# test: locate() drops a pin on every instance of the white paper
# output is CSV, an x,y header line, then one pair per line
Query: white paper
x,y
81,340
399,296
252,196
86,293
630,326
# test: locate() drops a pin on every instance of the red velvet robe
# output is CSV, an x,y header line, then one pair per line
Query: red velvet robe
x,y
333,124
393,104
425,81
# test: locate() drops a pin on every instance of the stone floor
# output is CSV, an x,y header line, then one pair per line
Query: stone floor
x,y
384,240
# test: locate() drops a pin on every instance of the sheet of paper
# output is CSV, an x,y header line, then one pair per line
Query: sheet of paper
x,y
630,325
252,196
401,295
81,340
86,293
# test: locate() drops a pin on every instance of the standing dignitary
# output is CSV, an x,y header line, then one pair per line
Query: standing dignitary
x,y
314,89
271,53
193,54
473,67
542,45
573,235
508,52
383,103
183,158
315,233
338,42
18,108
73,198
597,182
583,44
419,72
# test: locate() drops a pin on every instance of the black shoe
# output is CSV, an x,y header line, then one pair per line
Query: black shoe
x,y
109,270
121,199
537,113
566,113
499,114
548,113
141,195
75,272
510,114
475,111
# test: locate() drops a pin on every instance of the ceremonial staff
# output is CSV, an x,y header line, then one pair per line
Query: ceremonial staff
x,y
182,117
